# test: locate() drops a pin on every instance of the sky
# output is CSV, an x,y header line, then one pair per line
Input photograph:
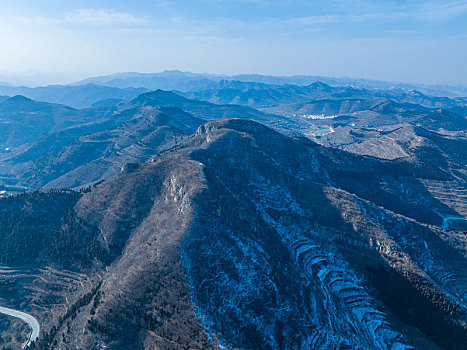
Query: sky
x,y
57,41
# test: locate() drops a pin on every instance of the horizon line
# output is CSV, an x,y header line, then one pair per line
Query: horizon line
x,y
26,79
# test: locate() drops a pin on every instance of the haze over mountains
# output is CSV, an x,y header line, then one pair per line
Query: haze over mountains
x,y
129,85
179,210
75,96
184,81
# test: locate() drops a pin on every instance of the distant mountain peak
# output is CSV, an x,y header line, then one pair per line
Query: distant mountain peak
x,y
319,85
159,96
18,98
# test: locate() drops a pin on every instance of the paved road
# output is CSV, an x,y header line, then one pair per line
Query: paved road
x,y
449,218
31,321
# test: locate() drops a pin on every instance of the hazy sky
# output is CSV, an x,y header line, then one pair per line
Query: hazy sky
x,y
413,41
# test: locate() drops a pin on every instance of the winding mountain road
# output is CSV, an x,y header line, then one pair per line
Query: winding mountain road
x,y
30,320
446,220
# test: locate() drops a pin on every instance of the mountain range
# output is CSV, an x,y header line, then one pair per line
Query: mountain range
x,y
75,96
187,81
126,86
234,215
